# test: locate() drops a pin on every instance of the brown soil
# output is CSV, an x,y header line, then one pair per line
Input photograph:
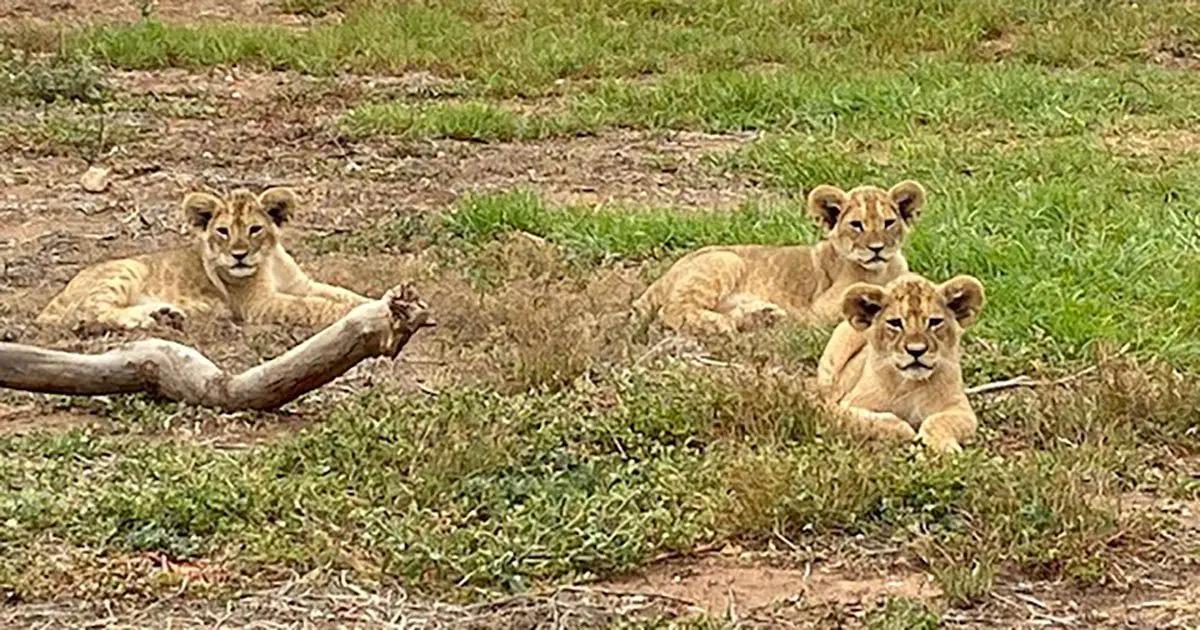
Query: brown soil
x,y
1153,144
114,11
735,584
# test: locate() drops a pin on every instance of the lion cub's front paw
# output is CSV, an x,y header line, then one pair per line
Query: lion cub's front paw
x,y
886,425
168,315
151,315
897,428
711,323
939,443
760,318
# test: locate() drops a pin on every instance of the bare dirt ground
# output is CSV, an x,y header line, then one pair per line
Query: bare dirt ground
x,y
113,11
229,128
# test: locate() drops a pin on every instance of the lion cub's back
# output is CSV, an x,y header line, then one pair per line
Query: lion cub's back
x,y
760,266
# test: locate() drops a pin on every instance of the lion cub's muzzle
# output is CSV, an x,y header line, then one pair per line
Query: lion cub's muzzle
x,y
917,363
874,257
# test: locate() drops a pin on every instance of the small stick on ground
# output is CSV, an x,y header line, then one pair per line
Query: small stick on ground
x,y
180,373
1025,381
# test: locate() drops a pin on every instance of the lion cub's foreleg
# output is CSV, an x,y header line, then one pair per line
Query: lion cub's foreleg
x,y
704,298
301,310
945,431
335,294
877,425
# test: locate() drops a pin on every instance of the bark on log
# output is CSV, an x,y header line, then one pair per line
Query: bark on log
x,y
177,372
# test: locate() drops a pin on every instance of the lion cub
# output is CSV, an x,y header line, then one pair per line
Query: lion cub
x,y
236,262
723,289
893,365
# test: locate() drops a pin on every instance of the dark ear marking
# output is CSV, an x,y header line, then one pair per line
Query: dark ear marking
x,y
964,297
826,203
861,303
199,209
279,203
909,197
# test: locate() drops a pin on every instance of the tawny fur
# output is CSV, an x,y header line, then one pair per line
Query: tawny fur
x,y
236,265
891,369
724,289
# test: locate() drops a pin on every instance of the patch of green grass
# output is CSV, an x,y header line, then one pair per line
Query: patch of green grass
x,y
457,121
85,132
900,613
59,79
1075,244
473,489
598,233
946,98
526,46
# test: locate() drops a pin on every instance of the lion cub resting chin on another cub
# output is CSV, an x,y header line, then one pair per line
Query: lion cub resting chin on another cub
x,y
236,261
893,364
727,288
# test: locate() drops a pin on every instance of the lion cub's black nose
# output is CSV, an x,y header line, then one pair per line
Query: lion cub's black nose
x,y
875,249
916,350
239,256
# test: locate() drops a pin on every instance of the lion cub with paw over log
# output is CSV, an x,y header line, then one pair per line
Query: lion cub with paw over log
x,y
728,288
892,367
236,261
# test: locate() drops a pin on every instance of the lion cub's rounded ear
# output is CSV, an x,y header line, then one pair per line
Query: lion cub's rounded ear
x,y
199,208
861,303
826,203
964,297
280,204
909,197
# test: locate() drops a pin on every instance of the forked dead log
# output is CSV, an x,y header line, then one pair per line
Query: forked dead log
x,y
180,373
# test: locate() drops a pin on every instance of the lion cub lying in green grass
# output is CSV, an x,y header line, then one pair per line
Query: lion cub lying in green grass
x,y
892,367
727,288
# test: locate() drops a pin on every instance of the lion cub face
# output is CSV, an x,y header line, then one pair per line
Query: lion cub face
x,y
237,234
867,226
912,325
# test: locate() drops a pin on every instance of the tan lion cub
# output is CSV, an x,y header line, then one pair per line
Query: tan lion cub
x,y
723,289
893,365
236,261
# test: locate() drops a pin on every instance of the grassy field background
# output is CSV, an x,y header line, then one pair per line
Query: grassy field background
x,y
520,161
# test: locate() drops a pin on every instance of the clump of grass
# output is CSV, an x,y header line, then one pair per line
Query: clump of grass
x,y
624,232
1028,512
527,317
470,120
902,613
53,80
965,584
87,132
476,488
525,47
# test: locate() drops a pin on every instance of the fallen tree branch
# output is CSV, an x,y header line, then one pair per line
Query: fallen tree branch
x,y
177,372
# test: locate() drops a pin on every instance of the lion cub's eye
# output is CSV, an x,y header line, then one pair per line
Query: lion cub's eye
x,y
896,323
223,231
887,223
255,229
934,322
857,225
